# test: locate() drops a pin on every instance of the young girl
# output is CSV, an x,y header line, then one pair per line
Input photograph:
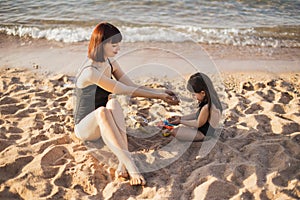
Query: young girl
x,y
197,125
96,115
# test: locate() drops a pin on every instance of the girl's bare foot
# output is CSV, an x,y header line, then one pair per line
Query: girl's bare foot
x,y
121,172
137,179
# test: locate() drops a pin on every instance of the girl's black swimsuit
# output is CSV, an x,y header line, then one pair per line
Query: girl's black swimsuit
x,y
89,98
206,128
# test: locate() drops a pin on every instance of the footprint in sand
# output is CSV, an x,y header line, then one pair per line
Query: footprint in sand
x,y
56,128
272,83
53,158
241,173
248,86
3,85
285,98
44,94
10,170
54,111
11,108
63,140
53,118
14,129
278,109
60,99
254,108
79,147
6,192
10,132
58,164
268,154
269,96
289,173
290,128
259,85
25,112
56,155
38,125
214,192
38,138
264,123
4,144
38,104
8,100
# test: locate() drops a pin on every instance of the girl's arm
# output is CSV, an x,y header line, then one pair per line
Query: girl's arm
x,y
96,77
189,117
176,119
196,123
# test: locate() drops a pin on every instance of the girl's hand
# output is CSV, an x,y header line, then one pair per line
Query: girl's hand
x,y
174,120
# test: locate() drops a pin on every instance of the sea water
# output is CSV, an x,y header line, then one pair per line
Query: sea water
x,y
274,23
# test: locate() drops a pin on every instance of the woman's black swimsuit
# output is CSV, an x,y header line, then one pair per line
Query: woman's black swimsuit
x,y
206,128
89,98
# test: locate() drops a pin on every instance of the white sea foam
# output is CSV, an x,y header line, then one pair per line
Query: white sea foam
x,y
227,36
58,34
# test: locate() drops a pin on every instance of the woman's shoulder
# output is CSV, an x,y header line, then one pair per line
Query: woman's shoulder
x,y
86,70
86,67
114,63
86,74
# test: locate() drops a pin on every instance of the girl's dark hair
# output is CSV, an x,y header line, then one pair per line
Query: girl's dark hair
x,y
201,82
103,33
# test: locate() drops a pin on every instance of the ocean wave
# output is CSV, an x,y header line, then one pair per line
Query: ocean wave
x,y
66,35
263,36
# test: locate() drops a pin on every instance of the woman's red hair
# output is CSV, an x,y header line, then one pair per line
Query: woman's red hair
x,y
104,32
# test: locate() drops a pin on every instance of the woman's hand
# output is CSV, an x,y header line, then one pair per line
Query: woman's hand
x,y
174,120
172,100
171,93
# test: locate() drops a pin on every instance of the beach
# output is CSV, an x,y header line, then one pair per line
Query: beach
x,y
255,156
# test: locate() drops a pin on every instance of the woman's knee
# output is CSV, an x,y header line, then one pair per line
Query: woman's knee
x,y
101,112
113,104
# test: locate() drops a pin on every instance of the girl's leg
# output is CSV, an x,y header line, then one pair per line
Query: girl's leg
x,y
114,106
188,134
113,138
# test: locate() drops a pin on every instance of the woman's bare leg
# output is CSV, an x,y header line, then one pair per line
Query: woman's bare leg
x,y
115,141
88,129
114,106
188,134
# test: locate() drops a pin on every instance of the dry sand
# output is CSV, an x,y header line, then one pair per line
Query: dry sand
x,y
256,155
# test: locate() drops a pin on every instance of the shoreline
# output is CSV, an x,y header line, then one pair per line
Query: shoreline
x,y
56,57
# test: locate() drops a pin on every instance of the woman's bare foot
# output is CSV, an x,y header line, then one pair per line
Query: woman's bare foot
x,y
135,176
121,172
137,179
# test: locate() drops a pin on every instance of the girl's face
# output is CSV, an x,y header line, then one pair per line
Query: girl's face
x,y
200,96
110,49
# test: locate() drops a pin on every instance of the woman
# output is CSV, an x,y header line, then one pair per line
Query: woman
x,y
204,121
96,115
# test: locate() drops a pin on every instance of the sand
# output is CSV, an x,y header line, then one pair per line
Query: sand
x,y
256,155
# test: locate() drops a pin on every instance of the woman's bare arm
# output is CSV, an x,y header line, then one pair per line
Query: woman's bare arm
x,y
97,77
119,74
